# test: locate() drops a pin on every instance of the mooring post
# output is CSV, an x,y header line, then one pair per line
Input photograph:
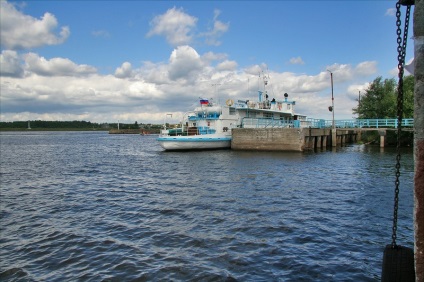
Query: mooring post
x,y
382,134
334,137
419,139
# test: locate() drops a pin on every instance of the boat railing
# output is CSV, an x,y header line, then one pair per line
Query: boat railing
x,y
188,131
266,123
202,116
366,123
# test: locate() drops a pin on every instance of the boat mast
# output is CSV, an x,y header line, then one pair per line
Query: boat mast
x,y
216,84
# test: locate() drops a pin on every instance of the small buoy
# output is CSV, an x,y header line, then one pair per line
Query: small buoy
x,y
398,264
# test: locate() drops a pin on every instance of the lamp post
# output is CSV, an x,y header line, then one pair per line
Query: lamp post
x,y
333,130
332,99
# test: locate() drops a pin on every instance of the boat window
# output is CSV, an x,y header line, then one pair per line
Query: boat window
x,y
232,111
288,106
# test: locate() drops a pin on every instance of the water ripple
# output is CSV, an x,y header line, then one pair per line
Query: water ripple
x,y
94,207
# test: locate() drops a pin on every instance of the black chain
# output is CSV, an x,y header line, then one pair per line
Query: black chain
x,y
401,61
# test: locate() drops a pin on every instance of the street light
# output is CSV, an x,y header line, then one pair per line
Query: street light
x,y
332,99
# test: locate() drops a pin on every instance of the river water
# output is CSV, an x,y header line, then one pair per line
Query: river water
x,y
89,206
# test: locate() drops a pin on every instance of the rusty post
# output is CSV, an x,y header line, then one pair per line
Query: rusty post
x,y
419,138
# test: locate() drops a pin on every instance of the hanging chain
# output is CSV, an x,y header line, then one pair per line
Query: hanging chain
x,y
401,61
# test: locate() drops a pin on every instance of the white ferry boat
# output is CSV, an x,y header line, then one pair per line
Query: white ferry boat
x,y
207,127
210,124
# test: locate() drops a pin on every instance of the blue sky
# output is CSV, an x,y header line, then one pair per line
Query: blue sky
x,y
104,61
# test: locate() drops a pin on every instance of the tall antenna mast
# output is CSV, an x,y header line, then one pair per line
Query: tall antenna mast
x,y
215,84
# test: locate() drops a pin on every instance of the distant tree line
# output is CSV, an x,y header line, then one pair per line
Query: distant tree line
x,y
71,125
50,124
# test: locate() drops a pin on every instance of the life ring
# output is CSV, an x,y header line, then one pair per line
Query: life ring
x,y
229,102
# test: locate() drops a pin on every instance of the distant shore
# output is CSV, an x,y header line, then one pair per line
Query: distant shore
x,y
110,131
51,129
114,128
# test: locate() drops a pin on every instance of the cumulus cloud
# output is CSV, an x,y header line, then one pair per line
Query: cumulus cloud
x,y
297,61
10,64
179,28
366,68
56,66
345,72
124,71
211,56
144,90
59,88
19,31
175,25
184,63
227,66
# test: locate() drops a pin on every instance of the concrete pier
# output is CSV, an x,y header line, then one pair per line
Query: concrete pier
x,y
288,139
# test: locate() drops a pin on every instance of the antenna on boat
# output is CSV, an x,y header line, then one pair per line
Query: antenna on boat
x,y
265,84
164,121
215,84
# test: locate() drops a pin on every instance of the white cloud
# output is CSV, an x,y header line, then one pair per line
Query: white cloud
x,y
297,61
227,66
175,25
366,68
10,64
55,66
19,31
184,63
345,72
354,89
210,56
124,71
61,89
219,28
179,28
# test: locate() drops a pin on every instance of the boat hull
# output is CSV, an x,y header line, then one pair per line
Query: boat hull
x,y
174,143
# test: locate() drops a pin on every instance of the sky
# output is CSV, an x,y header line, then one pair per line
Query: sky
x,y
128,61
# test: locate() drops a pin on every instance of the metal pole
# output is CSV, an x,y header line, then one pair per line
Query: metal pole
x,y
332,98
333,130
419,138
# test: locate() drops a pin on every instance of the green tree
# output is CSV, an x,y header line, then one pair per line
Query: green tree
x,y
380,99
408,96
